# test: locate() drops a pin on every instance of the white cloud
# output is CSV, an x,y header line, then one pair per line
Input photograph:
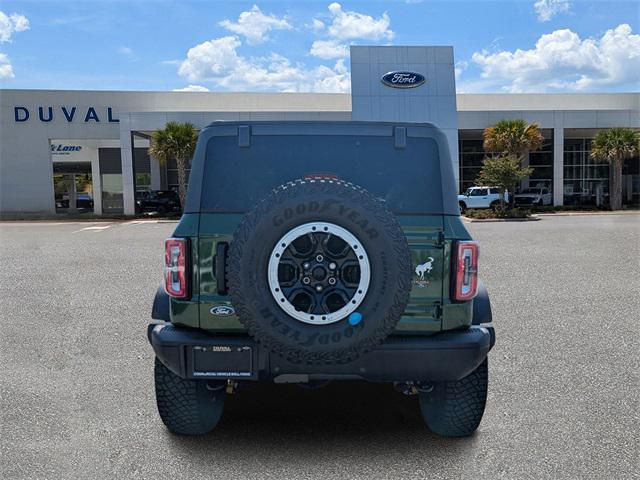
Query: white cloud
x,y
254,25
125,51
211,59
561,60
332,80
547,9
6,70
328,49
192,88
218,61
317,25
346,25
460,67
10,24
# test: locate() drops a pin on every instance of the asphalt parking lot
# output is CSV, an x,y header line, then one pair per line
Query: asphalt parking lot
x,y
77,396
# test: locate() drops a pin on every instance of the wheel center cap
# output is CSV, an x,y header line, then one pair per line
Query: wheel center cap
x,y
319,273
306,280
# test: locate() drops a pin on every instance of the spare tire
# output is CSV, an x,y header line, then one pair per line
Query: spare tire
x,y
319,271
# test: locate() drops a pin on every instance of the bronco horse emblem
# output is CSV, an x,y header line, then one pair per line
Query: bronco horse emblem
x,y
425,267
421,269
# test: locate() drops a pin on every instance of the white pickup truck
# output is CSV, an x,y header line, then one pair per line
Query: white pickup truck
x,y
534,196
480,197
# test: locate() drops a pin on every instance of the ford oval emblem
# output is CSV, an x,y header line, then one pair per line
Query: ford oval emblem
x,y
401,79
222,310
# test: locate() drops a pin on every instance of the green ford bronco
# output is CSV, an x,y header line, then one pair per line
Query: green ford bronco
x,y
317,251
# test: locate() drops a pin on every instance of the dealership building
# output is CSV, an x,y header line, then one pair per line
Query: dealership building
x,y
86,151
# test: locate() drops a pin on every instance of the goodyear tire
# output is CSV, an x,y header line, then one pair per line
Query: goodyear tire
x,y
455,409
347,247
188,407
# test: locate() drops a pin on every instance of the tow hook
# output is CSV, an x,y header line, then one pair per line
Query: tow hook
x,y
413,388
232,387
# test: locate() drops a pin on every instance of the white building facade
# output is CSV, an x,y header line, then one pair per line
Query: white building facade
x,y
86,151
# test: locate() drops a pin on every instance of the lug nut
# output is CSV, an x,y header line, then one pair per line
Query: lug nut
x,y
306,280
332,266
332,281
319,288
319,258
306,265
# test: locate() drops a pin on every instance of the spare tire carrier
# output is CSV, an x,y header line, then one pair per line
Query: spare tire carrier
x,y
319,273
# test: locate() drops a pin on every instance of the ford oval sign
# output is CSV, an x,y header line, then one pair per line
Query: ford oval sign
x,y
222,310
403,79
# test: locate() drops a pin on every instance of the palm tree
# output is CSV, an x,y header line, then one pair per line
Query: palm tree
x,y
176,140
513,139
614,146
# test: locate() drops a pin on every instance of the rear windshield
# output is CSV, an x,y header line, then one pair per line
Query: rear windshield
x,y
407,180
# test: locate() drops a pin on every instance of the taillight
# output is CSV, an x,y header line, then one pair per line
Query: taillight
x,y
466,275
176,275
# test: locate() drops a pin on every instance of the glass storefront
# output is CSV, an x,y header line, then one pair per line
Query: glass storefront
x,y
631,182
172,174
142,166
73,187
586,181
111,179
542,163
472,155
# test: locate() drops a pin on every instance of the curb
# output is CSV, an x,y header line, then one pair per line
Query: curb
x,y
570,214
495,220
88,219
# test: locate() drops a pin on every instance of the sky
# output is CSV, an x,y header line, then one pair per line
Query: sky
x,y
499,46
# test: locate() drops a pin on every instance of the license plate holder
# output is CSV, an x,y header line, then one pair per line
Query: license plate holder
x,y
223,360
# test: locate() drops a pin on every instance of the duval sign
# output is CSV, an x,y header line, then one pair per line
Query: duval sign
x,y
402,79
65,113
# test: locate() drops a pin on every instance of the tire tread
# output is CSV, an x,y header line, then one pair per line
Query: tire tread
x,y
185,406
455,409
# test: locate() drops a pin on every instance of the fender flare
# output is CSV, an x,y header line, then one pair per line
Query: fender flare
x,y
482,311
161,305
481,306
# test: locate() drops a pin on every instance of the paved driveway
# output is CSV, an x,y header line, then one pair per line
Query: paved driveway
x,y
77,397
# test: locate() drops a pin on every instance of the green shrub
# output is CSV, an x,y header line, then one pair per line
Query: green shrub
x,y
498,213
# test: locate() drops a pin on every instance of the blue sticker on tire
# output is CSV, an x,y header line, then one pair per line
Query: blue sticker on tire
x,y
355,318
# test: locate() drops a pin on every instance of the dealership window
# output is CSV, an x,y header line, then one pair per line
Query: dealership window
x,y
472,155
541,161
142,169
111,179
586,181
73,187
631,182
172,174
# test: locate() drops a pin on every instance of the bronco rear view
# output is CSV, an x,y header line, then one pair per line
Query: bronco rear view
x,y
317,251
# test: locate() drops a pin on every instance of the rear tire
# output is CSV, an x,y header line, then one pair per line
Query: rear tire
x,y
494,206
188,407
455,409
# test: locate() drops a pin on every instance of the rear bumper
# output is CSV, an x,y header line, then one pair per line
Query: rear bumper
x,y
445,356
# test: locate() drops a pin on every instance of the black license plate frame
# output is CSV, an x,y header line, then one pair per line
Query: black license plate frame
x,y
222,360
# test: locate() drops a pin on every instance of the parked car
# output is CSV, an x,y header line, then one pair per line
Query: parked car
x,y
279,273
160,201
83,201
481,197
533,196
